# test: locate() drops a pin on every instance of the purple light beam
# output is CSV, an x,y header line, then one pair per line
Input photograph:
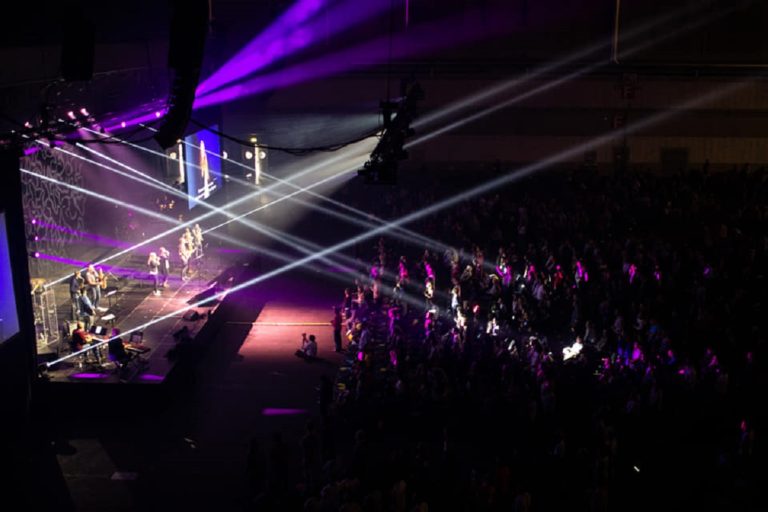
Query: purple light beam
x,y
417,41
103,240
298,14
271,46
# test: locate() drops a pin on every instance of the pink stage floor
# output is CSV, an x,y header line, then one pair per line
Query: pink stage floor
x,y
249,385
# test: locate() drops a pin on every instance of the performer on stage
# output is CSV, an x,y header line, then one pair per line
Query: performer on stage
x,y
184,253
81,339
76,284
165,265
154,270
93,287
87,310
102,279
197,240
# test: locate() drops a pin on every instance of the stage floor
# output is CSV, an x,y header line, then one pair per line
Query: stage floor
x,y
136,305
192,454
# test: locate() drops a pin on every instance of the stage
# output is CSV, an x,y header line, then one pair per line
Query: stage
x,y
134,304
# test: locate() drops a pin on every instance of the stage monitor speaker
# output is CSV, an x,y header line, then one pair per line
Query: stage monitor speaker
x,y
192,315
77,45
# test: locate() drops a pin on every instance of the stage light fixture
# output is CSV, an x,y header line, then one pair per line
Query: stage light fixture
x,y
381,167
253,140
173,155
257,167
224,155
71,115
84,111
248,155
262,155
122,124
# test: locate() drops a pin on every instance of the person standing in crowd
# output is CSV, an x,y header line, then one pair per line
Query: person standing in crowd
x,y
337,324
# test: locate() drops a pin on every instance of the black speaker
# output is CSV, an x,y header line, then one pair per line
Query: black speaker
x,y
189,27
77,45
191,315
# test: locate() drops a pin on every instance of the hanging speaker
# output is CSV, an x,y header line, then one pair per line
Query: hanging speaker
x,y
189,27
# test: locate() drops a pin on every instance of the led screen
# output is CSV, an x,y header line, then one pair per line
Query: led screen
x,y
203,168
9,318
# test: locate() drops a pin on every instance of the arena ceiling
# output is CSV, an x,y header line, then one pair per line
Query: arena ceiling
x,y
131,40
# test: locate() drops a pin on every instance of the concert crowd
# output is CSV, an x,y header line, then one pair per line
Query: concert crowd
x,y
574,341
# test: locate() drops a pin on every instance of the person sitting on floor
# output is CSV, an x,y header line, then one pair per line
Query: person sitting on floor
x,y
311,348
308,348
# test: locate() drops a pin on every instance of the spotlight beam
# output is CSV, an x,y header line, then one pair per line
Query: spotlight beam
x,y
282,39
451,201
557,82
447,203
274,254
407,235
430,37
159,216
258,227
563,155
492,109
298,14
275,235
139,209
144,181
147,177
305,246
578,56
306,171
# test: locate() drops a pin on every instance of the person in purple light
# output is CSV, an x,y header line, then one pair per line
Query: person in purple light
x,y
337,324
87,310
402,271
429,293
93,286
165,265
311,349
308,348
76,285
153,262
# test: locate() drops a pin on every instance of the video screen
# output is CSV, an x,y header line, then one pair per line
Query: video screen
x,y
203,168
9,317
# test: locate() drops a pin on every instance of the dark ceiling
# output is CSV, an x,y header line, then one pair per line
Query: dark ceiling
x,y
131,40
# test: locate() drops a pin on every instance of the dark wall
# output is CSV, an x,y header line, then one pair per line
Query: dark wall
x,y
17,353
